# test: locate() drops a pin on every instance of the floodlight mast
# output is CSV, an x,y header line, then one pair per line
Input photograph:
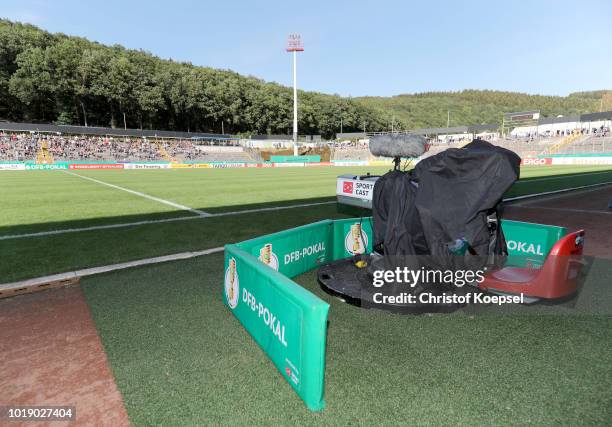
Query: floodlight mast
x,y
294,45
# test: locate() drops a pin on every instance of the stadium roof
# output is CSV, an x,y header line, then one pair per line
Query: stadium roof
x,y
590,117
456,129
273,137
101,131
564,119
424,131
351,135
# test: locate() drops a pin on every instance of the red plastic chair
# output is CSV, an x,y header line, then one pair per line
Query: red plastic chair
x,y
558,277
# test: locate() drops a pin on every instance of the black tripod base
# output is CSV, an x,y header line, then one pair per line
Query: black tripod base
x,y
343,279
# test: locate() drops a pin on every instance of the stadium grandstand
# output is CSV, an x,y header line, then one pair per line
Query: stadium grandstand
x,y
24,142
595,124
42,143
532,147
579,134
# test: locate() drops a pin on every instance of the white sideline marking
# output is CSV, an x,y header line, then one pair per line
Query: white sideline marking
x,y
106,269
157,221
554,197
546,178
188,255
564,190
96,227
521,206
138,193
273,208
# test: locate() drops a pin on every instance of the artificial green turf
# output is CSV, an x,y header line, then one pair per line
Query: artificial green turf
x,y
38,201
180,357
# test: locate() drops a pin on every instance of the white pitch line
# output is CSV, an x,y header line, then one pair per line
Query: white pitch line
x,y
558,196
157,221
564,190
146,196
185,255
221,214
96,227
105,269
546,178
274,208
520,206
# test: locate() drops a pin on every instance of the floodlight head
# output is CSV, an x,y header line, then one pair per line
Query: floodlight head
x,y
294,43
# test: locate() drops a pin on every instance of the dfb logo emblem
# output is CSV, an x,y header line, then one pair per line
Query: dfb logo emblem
x,y
356,240
268,257
232,285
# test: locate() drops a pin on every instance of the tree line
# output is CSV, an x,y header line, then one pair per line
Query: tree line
x,y
55,78
63,79
475,107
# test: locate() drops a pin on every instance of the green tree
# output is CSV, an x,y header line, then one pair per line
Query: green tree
x,y
54,77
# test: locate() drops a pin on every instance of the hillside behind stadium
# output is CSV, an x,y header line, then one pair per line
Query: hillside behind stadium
x,y
55,78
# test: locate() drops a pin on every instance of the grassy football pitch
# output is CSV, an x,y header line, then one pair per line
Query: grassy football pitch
x,y
180,358
55,221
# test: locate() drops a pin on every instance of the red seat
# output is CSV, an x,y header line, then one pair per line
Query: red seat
x,y
557,278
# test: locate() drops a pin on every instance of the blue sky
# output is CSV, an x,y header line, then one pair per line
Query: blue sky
x,y
357,48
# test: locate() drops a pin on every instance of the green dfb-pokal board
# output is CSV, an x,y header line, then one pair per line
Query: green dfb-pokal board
x,y
289,322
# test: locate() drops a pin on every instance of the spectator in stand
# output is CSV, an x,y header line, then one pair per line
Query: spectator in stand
x,y
26,146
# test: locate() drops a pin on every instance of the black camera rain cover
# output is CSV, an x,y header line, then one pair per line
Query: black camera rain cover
x,y
446,197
